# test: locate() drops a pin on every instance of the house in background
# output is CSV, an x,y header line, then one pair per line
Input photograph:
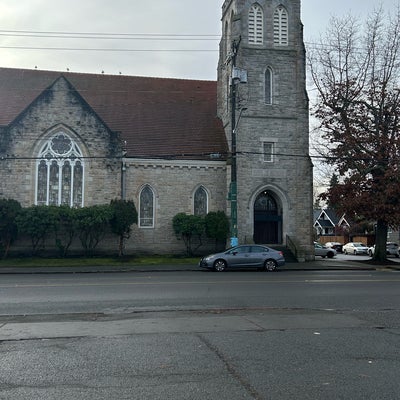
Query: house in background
x,y
328,224
330,227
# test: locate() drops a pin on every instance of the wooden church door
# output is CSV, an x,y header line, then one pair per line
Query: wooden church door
x,y
267,220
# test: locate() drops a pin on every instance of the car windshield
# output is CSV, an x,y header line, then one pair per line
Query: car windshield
x,y
358,245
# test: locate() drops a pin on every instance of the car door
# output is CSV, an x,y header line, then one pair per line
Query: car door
x,y
258,254
238,256
319,250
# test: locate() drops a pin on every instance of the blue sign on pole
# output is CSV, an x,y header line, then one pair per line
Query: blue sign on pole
x,y
234,241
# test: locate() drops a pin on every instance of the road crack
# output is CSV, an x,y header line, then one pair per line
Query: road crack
x,y
231,369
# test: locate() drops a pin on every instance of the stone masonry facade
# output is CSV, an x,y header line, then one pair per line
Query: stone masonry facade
x,y
60,109
174,184
283,123
274,203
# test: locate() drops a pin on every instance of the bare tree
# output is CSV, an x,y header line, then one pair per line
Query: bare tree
x,y
356,70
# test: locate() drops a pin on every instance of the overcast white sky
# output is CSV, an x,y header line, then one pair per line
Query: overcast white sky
x,y
134,17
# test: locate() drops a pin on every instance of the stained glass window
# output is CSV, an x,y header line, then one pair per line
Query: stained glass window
x,y
265,202
66,183
59,173
146,208
200,202
78,184
54,183
268,86
41,183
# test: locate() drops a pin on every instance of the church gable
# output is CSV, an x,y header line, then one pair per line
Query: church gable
x,y
58,145
61,104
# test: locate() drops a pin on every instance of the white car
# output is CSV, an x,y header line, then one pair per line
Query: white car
x,y
335,245
324,251
355,248
392,249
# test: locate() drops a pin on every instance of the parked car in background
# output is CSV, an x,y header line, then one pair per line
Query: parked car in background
x,y
355,248
392,249
323,251
244,256
335,245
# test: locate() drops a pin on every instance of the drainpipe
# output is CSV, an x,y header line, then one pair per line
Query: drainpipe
x,y
123,173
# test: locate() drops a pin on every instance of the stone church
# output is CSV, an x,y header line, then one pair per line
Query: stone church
x,y
239,144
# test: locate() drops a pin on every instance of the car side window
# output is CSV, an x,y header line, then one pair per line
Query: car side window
x,y
239,250
258,249
233,251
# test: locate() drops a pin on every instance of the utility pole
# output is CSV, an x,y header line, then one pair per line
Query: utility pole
x,y
233,186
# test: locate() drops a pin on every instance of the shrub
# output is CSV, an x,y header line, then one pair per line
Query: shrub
x,y
188,228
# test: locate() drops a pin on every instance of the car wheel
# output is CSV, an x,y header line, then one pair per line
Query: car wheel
x,y
270,265
345,252
355,252
220,265
330,254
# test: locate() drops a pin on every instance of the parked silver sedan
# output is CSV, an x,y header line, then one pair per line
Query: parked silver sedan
x,y
244,256
355,248
323,251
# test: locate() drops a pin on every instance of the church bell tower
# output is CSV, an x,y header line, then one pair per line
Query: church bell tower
x,y
263,103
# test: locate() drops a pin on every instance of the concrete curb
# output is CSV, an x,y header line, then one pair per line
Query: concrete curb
x,y
307,266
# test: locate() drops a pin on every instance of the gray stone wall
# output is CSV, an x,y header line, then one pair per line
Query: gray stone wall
x,y
174,184
283,123
60,108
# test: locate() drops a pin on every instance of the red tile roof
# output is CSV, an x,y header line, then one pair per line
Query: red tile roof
x,y
157,117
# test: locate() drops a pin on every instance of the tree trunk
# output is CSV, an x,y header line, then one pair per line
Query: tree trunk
x,y
121,246
380,241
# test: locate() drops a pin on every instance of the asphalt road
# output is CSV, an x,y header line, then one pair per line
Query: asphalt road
x,y
201,335
138,291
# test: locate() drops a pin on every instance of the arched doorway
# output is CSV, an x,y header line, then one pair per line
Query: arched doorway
x,y
267,219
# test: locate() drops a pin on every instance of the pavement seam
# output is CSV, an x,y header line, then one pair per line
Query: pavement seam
x,y
231,369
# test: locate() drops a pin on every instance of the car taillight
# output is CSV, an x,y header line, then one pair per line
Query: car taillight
x,y
280,253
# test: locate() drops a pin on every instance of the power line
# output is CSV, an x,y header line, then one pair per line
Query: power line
x,y
106,49
105,34
135,37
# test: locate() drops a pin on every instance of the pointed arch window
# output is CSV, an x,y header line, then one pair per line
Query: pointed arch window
x,y
200,201
146,207
268,85
265,202
281,26
256,25
59,172
226,39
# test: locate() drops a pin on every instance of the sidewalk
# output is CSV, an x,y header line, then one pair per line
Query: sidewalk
x,y
317,265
